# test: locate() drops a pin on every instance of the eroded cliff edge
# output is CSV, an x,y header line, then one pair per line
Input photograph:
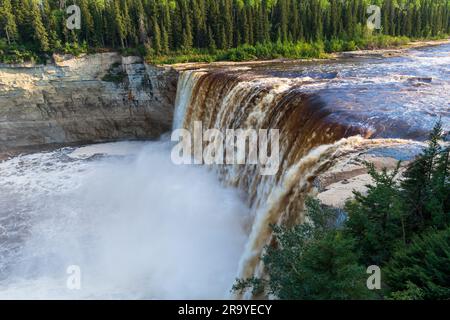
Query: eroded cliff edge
x,y
95,98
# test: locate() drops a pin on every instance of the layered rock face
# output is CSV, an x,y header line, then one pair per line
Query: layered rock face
x,y
96,98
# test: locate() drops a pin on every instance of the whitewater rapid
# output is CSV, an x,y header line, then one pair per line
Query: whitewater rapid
x,y
137,226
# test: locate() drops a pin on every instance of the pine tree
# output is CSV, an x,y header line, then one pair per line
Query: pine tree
x,y
8,25
211,42
119,22
39,32
311,261
189,24
187,38
375,219
87,22
418,186
424,265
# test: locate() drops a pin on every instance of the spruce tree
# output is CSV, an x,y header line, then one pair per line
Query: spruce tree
x,y
8,26
423,265
418,185
39,33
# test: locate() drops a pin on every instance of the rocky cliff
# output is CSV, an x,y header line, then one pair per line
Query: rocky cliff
x,y
95,98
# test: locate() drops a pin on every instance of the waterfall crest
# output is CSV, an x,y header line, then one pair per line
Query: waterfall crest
x,y
309,143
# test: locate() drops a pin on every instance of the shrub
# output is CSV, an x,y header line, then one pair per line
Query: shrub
x,y
311,261
422,269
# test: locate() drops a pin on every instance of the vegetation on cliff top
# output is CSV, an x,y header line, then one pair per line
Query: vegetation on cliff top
x,y
399,225
206,30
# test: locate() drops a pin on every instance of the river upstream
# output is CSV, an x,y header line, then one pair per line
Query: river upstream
x,y
137,226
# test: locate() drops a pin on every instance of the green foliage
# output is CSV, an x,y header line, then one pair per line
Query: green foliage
x,y
16,53
389,214
115,74
7,21
403,227
412,292
421,270
74,48
426,187
375,219
311,261
238,30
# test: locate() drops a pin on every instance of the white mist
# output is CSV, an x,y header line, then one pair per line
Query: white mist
x,y
137,226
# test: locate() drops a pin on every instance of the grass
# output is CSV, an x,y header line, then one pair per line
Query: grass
x,y
266,51
261,51
289,50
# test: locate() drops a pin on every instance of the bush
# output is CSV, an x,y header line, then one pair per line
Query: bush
x,y
350,46
115,74
15,53
421,270
334,45
403,227
375,219
311,261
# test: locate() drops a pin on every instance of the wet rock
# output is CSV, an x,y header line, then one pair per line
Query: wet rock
x,y
336,185
421,79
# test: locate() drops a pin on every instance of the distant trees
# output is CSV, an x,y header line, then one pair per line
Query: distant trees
x,y
172,25
7,21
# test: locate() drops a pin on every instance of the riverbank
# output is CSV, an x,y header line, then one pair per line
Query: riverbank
x,y
390,52
71,102
376,53
328,49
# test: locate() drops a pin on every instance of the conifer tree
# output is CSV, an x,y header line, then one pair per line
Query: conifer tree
x,y
188,24
8,25
420,194
39,33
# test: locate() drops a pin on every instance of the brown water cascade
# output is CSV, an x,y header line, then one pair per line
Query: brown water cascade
x,y
310,142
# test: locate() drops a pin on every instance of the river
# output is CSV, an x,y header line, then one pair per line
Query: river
x,y
139,227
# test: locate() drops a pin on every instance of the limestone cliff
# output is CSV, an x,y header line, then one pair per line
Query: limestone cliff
x,y
95,98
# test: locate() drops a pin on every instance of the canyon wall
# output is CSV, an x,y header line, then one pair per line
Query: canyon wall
x,y
95,98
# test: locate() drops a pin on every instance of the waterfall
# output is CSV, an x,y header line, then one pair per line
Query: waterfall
x,y
310,141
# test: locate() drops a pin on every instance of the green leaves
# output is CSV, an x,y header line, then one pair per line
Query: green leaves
x,y
421,270
375,219
296,28
426,187
404,228
312,261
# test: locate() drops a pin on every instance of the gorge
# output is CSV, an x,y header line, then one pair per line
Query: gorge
x,y
71,205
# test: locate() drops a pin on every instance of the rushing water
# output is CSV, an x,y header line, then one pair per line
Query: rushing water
x,y
140,227
136,225
397,97
318,108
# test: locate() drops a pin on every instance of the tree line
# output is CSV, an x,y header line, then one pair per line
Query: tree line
x,y
163,26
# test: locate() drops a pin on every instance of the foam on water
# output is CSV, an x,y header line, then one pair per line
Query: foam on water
x,y
140,227
137,225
